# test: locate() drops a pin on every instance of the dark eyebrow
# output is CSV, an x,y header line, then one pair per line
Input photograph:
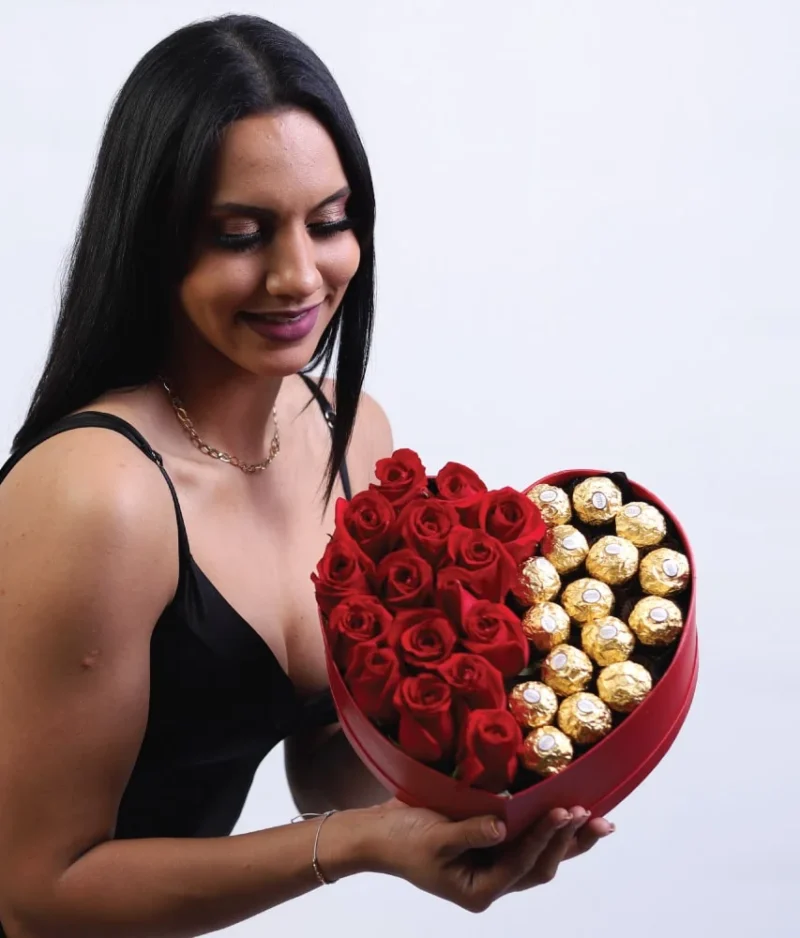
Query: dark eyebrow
x,y
239,208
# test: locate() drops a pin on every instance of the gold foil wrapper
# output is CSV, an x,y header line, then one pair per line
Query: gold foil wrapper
x,y
664,572
642,524
533,704
552,502
546,625
607,640
565,547
538,581
547,751
567,670
656,621
624,686
596,500
613,560
587,598
585,718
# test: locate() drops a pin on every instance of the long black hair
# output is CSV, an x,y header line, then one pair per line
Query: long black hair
x,y
148,193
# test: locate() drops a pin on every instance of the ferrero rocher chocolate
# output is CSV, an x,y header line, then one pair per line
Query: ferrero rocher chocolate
x,y
567,670
546,751
533,704
664,572
565,547
546,625
596,500
656,620
552,502
587,599
624,686
613,560
642,524
607,640
538,581
584,718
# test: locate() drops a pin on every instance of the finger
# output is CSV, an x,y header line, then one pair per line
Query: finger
x,y
476,833
548,862
586,838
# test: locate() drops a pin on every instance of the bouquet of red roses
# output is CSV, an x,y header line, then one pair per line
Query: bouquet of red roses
x,y
414,591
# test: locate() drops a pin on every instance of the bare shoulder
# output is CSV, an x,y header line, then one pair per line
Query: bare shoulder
x,y
372,437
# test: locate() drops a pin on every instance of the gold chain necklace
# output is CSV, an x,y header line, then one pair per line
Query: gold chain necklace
x,y
188,426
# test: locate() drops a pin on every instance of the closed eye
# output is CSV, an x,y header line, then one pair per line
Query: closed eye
x,y
245,241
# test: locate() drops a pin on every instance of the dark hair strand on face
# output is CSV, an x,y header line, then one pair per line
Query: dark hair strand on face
x,y
147,197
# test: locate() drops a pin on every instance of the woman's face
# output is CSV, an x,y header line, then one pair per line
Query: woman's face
x,y
277,252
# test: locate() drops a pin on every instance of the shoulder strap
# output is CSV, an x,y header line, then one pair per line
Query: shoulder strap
x,y
330,419
95,418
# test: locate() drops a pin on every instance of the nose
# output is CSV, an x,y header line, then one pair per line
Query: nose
x,y
292,265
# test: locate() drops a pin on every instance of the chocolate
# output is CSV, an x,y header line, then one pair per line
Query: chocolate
x,y
613,560
623,686
539,581
642,524
552,502
585,718
565,547
607,640
596,500
587,599
664,572
546,751
567,670
533,704
656,621
546,625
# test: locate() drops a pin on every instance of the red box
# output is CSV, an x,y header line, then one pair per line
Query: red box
x,y
599,780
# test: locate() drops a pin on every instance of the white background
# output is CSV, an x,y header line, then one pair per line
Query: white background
x,y
588,256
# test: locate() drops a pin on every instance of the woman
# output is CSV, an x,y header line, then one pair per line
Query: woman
x,y
159,626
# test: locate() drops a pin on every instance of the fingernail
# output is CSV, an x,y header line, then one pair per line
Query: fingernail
x,y
562,822
611,827
498,830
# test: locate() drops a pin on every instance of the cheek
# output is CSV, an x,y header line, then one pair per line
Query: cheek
x,y
339,262
219,284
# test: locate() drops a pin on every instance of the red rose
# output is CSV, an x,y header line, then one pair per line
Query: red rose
x,y
401,476
422,638
494,632
353,621
425,524
462,488
514,520
341,572
369,519
426,730
480,563
474,682
489,751
404,580
373,676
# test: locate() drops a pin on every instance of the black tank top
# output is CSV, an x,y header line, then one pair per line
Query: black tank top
x,y
219,699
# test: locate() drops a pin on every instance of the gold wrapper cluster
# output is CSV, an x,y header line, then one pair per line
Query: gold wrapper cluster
x,y
600,599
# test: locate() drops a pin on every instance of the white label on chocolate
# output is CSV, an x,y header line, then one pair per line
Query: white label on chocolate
x,y
548,496
549,623
599,501
659,614
531,695
559,661
670,567
571,542
613,549
633,511
591,595
608,632
546,743
585,706
543,564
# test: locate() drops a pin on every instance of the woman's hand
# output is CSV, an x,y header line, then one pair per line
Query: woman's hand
x,y
468,862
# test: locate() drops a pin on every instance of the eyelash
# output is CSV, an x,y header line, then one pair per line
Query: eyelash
x,y
244,242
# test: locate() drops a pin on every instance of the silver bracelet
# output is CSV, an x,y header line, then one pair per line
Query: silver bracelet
x,y
324,881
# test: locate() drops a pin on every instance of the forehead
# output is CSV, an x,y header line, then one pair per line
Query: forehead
x,y
282,160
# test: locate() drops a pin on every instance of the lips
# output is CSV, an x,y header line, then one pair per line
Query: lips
x,y
283,326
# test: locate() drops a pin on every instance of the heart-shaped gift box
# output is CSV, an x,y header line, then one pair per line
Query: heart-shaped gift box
x,y
599,778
